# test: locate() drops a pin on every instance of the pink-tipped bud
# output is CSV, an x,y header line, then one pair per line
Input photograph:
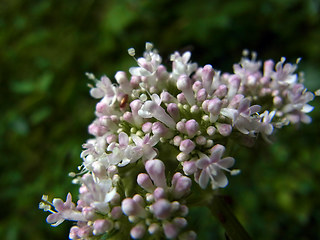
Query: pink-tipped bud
x,y
221,91
214,106
101,107
184,83
189,167
201,140
205,105
277,101
144,181
234,103
116,212
180,222
175,178
184,210
180,126
138,231
166,97
224,129
268,68
153,228
159,193
197,85
135,106
182,187
84,231
123,81
161,209
99,169
155,169
135,81
201,95
138,199
170,230
128,117
97,130
234,84
181,98
162,73
101,226
111,138
187,146
89,213
207,77
159,129
74,232
192,127
177,140
181,157
132,208
173,110
146,127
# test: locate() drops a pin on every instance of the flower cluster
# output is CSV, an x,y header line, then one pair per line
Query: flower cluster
x,y
157,133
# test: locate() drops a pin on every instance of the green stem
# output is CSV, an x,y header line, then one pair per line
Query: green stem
x,y
221,210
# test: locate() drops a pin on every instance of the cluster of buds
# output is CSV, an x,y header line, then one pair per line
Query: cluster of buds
x,y
158,125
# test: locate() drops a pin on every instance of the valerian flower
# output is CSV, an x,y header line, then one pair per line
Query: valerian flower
x,y
157,133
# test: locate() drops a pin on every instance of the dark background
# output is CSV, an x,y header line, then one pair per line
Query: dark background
x,y
47,46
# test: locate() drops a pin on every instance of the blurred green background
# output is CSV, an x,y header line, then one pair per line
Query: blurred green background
x,y
46,46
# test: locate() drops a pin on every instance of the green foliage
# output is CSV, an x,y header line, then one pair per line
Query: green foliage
x,y
47,46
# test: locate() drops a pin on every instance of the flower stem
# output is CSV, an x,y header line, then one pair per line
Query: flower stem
x,y
221,210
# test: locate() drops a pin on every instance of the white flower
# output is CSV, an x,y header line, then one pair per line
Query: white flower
x,y
152,108
211,168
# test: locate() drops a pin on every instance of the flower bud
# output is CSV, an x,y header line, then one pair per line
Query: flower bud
x,y
155,169
84,232
159,129
132,208
177,140
224,129
201,95
144,181
197,85
184,83
170,230
161,209
173,110
74,232
189,167
180,222
201,140
268,68
182,187
187,146
101,226
191,127
234,84
116,212
153,228
88,213
207,77
221,91
181,98
138,231
146,127
181,157
159,193
180,126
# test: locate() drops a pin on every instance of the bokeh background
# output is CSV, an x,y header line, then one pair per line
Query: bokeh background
x,y
46,46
